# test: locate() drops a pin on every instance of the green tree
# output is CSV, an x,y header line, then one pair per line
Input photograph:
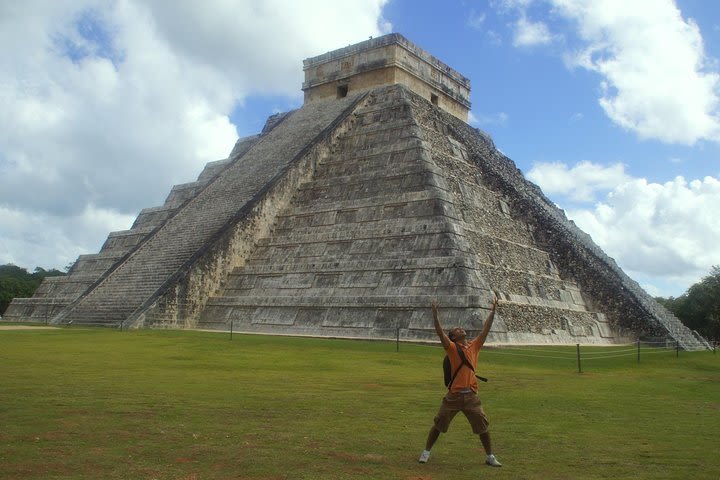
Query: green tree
x,y
18,282
699,307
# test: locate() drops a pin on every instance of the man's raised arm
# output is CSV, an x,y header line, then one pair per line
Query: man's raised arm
x,y
487,325
438,328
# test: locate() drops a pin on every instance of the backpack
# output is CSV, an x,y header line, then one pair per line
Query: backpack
x,y
449,377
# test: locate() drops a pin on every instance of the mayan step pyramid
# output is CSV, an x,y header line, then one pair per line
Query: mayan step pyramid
x,y
347,217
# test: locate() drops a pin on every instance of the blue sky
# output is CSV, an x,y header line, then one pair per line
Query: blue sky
x,y
612,107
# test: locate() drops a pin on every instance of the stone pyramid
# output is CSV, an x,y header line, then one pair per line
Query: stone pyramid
x,y
347,216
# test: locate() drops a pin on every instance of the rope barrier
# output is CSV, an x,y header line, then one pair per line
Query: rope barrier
x,y
535,356
592,352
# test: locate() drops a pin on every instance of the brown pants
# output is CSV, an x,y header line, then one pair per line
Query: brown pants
x,y
469,404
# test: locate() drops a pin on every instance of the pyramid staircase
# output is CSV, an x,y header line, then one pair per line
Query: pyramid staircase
x,y
56,293
394,216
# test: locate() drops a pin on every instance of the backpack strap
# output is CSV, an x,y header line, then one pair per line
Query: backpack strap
x,y
452,379
463,361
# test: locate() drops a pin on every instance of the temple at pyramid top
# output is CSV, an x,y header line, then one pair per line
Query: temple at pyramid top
x,y
387,60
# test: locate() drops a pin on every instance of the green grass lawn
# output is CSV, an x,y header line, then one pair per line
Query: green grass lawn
x,y
102,404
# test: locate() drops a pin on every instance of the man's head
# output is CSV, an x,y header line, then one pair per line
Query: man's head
x,y
457,334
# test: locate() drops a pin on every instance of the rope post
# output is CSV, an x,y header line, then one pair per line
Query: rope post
x,y
397,339
677,349
231,328
578,358
638,342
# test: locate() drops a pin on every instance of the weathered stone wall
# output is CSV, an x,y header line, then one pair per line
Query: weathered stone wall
x,y
629,310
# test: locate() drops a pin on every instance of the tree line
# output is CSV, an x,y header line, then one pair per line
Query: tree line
x,y
18,282
699,307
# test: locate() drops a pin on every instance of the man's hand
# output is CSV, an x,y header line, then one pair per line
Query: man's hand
x,y
436,322
487,325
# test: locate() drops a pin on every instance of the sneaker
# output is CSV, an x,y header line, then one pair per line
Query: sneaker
x,y
424,456
492,461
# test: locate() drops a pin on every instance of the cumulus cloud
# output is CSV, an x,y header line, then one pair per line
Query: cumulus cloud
x,y
528,33
40,238
665,230
107,104
476,20
657,78
664,233
579,183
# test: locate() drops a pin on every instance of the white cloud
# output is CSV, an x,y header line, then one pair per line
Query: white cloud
x,y
499,118
657,79
476,20
106,105
667,232
579,183
528,33
665,235
52,241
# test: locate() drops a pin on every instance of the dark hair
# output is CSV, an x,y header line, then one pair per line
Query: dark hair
x,y
451,335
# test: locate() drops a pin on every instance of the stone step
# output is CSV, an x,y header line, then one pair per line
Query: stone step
x,y
418,210
521,286
153,216
360,277
126,239
359,231
94,265
388,301
325,285
373,203
376,165
356,180
70,286
320,229
363,316
386,110
491,249
34,309
367,138
179,194
71,277
344,265
213,168
367,188
348,156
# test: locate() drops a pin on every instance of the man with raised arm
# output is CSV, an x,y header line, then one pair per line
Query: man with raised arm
x,y
462,391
